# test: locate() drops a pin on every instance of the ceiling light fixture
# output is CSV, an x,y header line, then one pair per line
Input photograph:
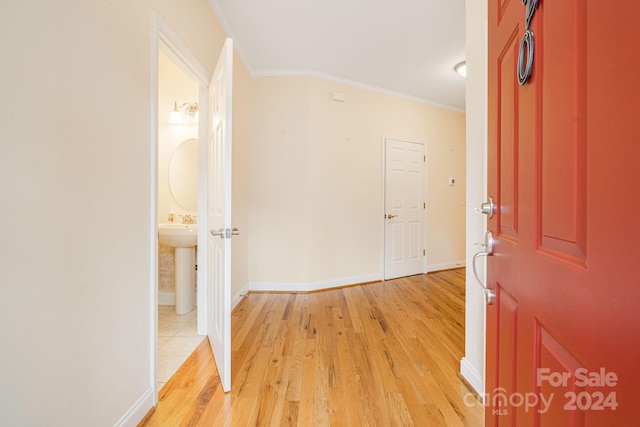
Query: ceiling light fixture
x,y
461,68
190,112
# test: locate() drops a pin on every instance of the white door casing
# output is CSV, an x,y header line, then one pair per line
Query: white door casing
x,y
166,41
219,213
404,208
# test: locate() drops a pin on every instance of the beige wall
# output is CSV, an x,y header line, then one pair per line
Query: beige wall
x,y
316,168
75,312
278,242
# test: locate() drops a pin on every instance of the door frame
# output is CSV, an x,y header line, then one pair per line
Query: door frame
x,y
165,40
383,145
472,364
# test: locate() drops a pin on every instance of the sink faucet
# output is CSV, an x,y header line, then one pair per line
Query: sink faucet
x,y
189,219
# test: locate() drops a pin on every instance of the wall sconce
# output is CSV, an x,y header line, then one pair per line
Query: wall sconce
x,y
190,112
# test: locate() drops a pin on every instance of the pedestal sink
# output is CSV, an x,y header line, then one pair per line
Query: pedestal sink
x,y
183,237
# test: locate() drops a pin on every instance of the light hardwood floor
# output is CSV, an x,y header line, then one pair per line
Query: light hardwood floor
x,y
380,354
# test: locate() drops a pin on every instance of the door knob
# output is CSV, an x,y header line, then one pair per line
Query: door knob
x,y
225,233
487,208
219,232
488,251
391,216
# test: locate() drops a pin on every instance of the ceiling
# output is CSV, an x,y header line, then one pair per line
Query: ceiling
x,y
404,46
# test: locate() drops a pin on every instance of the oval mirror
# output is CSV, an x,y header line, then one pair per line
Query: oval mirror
x,y
183,175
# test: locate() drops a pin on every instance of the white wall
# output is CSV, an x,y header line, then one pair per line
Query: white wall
x,y
75,263
316,180
472,366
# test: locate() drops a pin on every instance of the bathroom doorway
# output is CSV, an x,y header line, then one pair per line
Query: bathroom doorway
x,y
177,209
179,297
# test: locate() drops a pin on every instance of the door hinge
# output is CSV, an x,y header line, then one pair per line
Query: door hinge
x,y
424,205
424,159
424,252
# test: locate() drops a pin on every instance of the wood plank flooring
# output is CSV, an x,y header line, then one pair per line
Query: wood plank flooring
x,y
380,354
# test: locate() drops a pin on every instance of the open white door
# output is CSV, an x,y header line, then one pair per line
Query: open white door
x,y
404,208
219,214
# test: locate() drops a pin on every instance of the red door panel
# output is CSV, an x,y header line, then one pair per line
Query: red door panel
x,y
554,361
563,334
508,137
561,126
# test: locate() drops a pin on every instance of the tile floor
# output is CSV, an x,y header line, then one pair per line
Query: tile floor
x,y
177,339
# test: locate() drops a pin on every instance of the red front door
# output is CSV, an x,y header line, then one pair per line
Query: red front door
x,y
563,334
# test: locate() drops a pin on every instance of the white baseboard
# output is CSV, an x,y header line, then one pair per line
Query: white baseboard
x,y
166,298
312,286
169,298
445,266
472,376
137,411
239,297
278,286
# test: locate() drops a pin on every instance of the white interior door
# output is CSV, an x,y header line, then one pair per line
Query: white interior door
x,y
219,214
404,208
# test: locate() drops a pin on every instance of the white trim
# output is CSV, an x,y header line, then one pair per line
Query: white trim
x,y
153,209
278,286
352,83
476,178
425,234
383,206
485,145
312,286
165,40
344,281
472,376
222,18
237,299
166,298
202,293
138,411
445,266
171,45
